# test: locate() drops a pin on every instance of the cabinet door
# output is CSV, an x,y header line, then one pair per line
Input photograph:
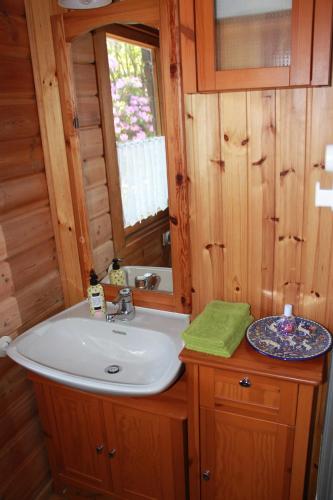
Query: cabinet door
x,y
243,457
79,439
146,452
263,43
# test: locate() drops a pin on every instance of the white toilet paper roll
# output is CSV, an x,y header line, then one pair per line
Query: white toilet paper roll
x,y
329,158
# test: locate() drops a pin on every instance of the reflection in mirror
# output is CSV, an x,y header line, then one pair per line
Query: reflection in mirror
x,y
119,99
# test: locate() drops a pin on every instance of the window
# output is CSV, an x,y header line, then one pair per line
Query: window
x,y
138,130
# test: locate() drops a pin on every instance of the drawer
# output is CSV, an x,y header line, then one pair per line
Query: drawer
x,y
247,394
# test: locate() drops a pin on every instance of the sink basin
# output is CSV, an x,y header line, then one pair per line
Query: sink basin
x,y
139,357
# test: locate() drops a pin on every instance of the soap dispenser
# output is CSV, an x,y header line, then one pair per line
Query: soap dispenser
x,y
96,297
287,323
117,276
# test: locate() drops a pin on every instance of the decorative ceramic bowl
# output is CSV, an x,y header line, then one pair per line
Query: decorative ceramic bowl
x,y
308,340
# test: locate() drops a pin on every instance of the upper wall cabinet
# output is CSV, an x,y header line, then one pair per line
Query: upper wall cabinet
x,y
262,43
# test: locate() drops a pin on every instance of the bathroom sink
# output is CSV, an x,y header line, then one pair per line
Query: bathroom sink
x,y
136,358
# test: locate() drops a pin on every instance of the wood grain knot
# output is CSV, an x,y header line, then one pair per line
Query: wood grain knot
x,y
220,163
315,293
193,290
173,220
259,162
179,179
209,246
275,219
187,32
237,289
183,299
298,239
189,116
283,173
245,141
226,137
319,165
281,238
173,70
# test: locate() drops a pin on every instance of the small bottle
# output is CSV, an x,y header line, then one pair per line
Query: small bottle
x,y
117,276
287,323
96,297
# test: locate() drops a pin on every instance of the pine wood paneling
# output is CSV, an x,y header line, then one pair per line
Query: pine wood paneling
x,y
25,267
261,209
205,194
234,144
97,201
85,79
18,121
83,50
33,229
11,81
30,286
13,29
100,230
102,257
317,256
91,142
88,111
23,191
94,172
20,157
256,234
289,197
12,8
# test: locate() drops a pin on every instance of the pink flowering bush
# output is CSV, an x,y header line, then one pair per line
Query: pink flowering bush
x,y
132,91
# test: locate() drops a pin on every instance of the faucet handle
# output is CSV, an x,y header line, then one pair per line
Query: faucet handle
x,y
110,318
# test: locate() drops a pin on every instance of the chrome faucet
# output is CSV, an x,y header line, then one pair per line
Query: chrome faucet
x,y
125,308
148,281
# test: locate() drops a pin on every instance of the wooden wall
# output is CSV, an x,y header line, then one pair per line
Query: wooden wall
x,y
256,236
30,287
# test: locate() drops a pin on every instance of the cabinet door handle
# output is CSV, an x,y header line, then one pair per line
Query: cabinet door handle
x,y
99,448
112,453
206,475
245,382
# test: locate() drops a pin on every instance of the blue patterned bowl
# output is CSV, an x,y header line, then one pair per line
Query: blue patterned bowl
x,y
308,341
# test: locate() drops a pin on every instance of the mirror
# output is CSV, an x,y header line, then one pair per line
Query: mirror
x,y
117,82
91,144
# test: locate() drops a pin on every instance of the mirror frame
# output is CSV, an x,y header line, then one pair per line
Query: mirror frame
x,y
165,15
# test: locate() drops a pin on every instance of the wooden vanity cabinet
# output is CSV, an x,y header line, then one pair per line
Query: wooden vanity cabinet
x,y
239,46
250,422
126,448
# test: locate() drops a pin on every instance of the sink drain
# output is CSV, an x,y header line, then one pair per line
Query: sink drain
x,y
112,369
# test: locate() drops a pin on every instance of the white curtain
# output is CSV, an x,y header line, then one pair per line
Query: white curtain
x,y
143,178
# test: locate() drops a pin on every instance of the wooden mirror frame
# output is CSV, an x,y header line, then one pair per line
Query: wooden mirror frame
x,y
165,15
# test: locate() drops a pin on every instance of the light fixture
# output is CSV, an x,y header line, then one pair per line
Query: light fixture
x,y
83,4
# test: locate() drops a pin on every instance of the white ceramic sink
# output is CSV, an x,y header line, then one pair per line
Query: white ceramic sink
x,y
76,350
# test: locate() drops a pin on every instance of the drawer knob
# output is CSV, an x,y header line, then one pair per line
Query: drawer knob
x,y
206,475
99,449
112,453
245,382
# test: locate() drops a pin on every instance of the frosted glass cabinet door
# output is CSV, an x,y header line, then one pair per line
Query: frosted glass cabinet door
x,y
258,43
254,34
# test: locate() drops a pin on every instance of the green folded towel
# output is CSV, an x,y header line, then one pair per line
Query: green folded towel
x,y
219,329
